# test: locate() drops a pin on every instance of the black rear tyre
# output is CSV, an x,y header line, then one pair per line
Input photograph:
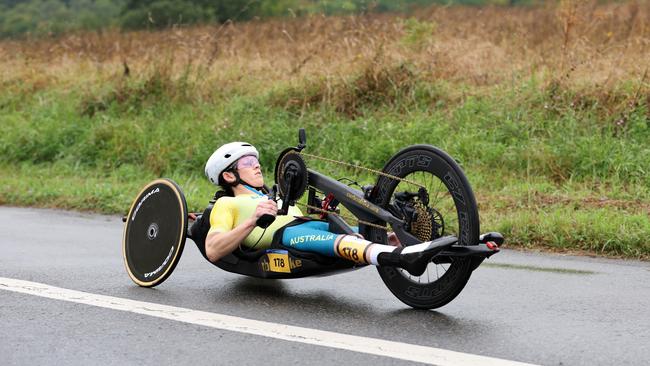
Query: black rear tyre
x,y
155,233
451,210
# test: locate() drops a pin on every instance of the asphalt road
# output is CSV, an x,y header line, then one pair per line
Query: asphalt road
x,y
542,309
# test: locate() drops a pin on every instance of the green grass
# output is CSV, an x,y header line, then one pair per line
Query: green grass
x,y
61,186
602,231
548,173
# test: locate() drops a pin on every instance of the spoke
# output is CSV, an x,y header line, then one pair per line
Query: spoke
x,y
442,202
434,203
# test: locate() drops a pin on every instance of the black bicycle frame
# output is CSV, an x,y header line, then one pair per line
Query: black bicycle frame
x,y
360,207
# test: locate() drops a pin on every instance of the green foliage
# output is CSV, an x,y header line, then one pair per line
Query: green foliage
x,y
164,13
52,17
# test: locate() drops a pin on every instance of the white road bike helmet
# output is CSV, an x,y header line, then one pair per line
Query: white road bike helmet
x,y
225,156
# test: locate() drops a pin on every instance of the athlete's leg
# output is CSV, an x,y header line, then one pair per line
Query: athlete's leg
x,y
309,236
313,236
413,258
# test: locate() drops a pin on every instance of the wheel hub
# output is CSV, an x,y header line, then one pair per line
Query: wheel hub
x,y
152,231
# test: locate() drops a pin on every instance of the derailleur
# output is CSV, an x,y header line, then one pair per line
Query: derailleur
x,y
419,219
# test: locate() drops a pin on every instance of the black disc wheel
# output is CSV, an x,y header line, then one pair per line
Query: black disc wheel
x,y
435,199
155,232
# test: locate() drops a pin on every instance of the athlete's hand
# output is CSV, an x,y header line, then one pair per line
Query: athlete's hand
x,y
265,207
393,239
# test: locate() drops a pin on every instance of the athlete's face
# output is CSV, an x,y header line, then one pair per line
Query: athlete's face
x,y
250,171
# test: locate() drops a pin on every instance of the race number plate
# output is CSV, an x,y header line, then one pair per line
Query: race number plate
x,y
279,262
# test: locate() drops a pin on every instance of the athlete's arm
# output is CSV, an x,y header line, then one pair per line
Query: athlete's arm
x,y
219,244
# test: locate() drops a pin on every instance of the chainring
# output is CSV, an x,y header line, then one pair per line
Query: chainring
x,y
290,162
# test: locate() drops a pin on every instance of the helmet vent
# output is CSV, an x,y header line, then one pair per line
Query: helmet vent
x,y
227,156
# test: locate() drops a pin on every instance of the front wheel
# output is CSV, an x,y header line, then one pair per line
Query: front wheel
x,y
435,199
155,232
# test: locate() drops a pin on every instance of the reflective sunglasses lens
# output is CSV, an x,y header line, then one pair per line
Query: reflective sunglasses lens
x,y
247,162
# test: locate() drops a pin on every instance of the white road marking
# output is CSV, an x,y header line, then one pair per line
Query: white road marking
x,y
373,346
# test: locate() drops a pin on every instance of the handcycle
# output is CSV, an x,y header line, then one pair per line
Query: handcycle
x,y
421,194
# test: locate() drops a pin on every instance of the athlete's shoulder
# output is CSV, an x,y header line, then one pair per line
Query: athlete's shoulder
x,y
224,204
225,200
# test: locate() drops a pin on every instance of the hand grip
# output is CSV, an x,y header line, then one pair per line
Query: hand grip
x,y
265,220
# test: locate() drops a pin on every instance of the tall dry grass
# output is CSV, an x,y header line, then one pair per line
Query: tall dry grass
x,y
575,43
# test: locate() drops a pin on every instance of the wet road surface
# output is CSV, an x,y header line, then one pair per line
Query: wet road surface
x,y
542,309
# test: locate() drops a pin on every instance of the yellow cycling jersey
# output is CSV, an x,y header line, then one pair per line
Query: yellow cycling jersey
x,y
229,212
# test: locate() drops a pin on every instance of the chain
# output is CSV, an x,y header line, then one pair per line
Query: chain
x,y
318,209
378,172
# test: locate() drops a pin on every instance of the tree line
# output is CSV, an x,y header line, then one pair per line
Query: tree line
x,y
53,17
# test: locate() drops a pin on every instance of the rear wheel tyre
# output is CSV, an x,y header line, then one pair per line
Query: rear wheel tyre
x,y
451,210
155,233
